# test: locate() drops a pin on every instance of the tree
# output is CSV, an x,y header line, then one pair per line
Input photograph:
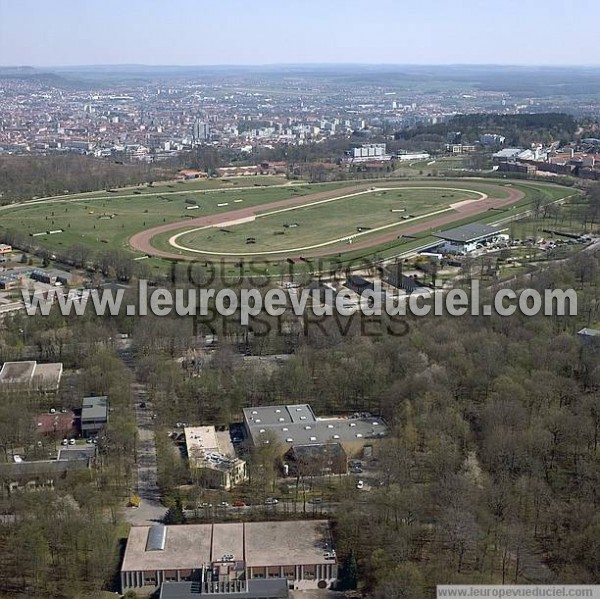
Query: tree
x,y
175,514
348,573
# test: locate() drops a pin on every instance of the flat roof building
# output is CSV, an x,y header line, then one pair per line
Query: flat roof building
x,y
212,459
44,377
226,557
296,424
94,415
464,239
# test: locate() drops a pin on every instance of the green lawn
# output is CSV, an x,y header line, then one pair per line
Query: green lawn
x,y
106,220
191,185
110,221
324,221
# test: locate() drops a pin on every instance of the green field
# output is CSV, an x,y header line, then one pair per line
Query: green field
x,y
110,219
106,220
192,185
325,221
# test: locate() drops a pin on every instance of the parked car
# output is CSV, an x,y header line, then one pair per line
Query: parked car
x,y
271,501
239,503
360,484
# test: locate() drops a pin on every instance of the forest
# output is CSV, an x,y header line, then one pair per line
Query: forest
x,y
520,130
491,474
26,177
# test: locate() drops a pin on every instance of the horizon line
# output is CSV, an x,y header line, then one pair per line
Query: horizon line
x,y
304,64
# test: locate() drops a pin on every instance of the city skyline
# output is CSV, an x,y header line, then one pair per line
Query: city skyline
x,y
187,33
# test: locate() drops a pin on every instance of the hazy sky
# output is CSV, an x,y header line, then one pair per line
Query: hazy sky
x,y
197,32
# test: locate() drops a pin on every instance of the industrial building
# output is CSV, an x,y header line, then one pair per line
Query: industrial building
x,y
212,459
465,239
295,425
43,377
226,558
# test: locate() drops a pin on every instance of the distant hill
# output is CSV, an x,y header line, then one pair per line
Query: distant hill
x,y
26,73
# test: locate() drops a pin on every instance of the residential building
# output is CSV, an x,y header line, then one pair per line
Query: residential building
x,y
200,131
368,152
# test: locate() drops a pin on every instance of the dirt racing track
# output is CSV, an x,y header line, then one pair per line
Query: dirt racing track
x,y
435,219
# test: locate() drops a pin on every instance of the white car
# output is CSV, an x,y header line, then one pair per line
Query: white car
x,y
360,484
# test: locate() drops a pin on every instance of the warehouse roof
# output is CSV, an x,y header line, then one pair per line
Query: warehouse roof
x,y
297,425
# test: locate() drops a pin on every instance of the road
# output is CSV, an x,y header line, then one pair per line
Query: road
x,y
151,510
